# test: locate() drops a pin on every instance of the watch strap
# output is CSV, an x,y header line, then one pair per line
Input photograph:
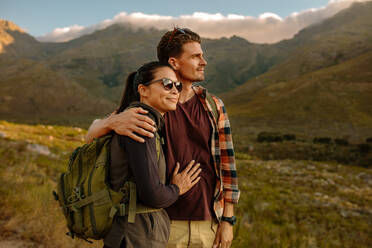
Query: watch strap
x,y
231,220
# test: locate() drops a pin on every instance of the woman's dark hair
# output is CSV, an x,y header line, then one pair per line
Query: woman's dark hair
x,y
143,75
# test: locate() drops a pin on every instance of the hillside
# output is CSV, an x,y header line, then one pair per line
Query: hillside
x,y
283,86
100,62
323,88
96,65
283,203
34,93
233,61
332,101
14,42
331,42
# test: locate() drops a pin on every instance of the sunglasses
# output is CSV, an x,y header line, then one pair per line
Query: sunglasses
x,y
168,84
175,30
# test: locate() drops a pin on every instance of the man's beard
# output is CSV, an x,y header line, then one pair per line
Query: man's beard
x,y
194,79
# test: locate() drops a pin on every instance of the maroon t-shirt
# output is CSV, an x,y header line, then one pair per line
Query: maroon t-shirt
x,y
188,132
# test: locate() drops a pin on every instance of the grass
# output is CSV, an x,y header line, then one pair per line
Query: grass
x,y
303,204
27,208
60,138
303,148
284,203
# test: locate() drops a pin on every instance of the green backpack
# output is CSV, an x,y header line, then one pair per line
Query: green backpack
x,y
84,194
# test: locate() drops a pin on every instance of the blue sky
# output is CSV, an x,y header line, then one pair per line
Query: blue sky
x,y
42,16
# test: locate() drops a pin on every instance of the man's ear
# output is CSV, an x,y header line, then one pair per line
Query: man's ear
x,y
174,63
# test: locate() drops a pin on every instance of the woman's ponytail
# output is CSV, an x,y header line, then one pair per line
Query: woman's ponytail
x,y
129,94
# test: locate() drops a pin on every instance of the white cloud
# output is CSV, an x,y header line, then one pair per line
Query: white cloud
x,y
267,28
270,15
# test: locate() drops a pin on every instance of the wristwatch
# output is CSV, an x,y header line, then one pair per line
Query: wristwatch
x,y
231,220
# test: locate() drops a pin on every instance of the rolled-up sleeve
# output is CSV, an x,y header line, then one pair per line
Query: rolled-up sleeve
x,y
227,158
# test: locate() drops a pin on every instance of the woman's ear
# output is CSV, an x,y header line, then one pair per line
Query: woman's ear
x,y
143,90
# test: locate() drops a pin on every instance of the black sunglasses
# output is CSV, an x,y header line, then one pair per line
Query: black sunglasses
x,y
168,84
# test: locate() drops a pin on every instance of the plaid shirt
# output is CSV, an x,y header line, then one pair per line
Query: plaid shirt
x,y
223,154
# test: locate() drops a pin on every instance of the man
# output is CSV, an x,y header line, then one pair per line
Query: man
x,y
203,217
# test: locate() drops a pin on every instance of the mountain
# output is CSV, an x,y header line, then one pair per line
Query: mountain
x,y
282,86
233,61
100,62
323,88
14,42
333,101
96,66
39,95
31,91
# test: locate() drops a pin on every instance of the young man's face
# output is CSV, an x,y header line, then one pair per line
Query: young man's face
x,y
191,63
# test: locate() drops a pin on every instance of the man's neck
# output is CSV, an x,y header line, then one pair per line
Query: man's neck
x,y
187,92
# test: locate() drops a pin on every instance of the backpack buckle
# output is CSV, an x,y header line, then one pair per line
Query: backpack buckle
x,y
55,195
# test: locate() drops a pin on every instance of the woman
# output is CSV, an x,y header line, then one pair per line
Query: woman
x,y
153,87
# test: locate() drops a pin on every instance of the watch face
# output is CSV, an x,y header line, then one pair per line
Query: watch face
x,y
233,220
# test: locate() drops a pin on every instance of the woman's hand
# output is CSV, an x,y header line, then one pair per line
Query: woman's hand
x,y
186,179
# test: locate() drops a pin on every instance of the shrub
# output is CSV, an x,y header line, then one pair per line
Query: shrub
x,y
364,148
342,142
269,137
289,137
322,140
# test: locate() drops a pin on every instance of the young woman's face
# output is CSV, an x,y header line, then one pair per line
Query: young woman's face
x,y
156,96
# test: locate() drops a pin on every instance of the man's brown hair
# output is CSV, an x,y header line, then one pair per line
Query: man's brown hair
x,y
171,43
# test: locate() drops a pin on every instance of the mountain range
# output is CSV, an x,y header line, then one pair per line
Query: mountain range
x,y
318,83
324,86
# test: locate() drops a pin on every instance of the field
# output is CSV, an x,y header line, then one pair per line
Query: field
x,y
284,203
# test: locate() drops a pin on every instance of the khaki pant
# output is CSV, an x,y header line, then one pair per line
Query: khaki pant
x,y
150,230
192,234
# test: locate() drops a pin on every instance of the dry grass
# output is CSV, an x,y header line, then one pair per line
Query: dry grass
x,y
283,203
303,204
27,208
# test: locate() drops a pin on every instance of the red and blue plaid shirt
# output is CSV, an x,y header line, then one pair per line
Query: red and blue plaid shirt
x,y
222,150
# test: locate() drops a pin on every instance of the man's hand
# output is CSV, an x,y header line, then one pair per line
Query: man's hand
x,y
125,123
186,179
224,235
131,122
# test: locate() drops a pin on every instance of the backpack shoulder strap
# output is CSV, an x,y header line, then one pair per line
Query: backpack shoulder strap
x,y
213,104
133,207
158,144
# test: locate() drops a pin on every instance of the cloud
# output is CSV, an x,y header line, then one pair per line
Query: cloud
x,y
266,28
